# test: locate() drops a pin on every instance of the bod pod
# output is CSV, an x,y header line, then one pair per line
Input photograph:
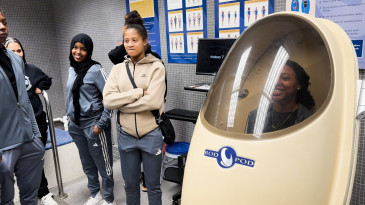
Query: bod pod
x,y
257,139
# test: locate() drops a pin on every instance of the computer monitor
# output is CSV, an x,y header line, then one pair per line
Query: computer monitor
x,y
211,53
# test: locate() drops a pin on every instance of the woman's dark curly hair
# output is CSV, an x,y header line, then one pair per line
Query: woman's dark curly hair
x,y
303,95
134,20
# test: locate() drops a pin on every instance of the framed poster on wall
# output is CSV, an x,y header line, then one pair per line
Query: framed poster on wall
x,y
185,23
233,16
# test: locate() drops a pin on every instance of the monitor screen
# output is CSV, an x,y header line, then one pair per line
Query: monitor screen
x,y
211,53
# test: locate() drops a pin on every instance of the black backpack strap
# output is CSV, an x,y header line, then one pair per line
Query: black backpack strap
x,y
130,75
156,113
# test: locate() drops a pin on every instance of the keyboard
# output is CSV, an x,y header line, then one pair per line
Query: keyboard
x,y
183,113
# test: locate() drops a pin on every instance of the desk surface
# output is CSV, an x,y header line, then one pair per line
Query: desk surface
x,y
201,87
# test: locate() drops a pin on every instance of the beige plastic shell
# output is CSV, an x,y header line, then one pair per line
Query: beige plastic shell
x,y
311,165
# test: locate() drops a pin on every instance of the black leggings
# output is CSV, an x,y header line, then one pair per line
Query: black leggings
x,y
43,127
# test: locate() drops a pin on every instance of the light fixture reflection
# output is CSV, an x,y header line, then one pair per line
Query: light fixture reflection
x,y
280,59
236,87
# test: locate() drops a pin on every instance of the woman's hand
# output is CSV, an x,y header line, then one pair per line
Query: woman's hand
x,y
38,91
97,130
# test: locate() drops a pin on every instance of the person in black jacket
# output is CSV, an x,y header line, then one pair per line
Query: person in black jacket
x,y
117,54
35,81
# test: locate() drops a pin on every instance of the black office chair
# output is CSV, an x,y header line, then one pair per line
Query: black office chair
x,y
175,174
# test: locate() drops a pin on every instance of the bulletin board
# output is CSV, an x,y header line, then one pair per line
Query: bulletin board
x,y
186,22
232,17
350,15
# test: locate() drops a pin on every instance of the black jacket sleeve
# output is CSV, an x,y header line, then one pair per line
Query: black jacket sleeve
x,y
117,54
37,77
45,82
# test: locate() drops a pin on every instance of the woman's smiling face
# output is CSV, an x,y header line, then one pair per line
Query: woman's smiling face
x,y
79,52
287,86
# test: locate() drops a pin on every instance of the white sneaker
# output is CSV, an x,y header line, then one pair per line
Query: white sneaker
x,y
106,203
94,200
48,200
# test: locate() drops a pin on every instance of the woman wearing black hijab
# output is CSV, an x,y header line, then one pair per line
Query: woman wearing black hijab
x,y
89,124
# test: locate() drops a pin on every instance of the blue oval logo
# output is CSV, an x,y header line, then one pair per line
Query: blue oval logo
x,y
226,157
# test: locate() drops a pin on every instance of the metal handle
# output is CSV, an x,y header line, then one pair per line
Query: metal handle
x,y
61,194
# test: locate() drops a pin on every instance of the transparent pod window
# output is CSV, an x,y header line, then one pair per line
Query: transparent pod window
x,y
247,81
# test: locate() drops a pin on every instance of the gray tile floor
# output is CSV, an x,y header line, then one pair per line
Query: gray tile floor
x,y
78,192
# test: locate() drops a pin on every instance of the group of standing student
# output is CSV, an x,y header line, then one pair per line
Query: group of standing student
x,y
90,99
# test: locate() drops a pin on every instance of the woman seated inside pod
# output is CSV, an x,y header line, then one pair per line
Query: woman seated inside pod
x,y
291,100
